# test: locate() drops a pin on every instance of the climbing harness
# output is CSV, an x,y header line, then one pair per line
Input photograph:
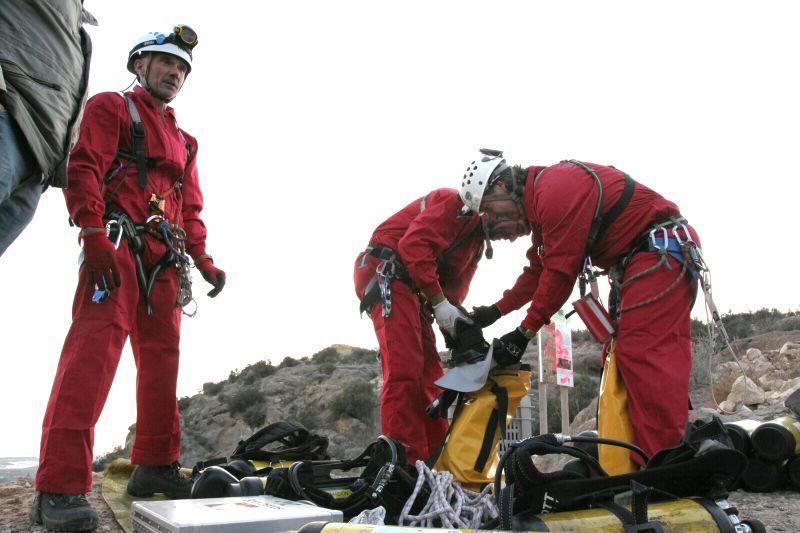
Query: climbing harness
x,y
120,226
449,504
704,464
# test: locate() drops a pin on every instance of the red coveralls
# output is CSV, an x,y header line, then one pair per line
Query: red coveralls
x,y
654,350
420,234
95,340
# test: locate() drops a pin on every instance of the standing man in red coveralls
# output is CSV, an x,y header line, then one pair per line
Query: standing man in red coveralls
x,y
157,210
559,203
419,263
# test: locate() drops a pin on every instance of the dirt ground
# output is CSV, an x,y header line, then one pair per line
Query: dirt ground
x,y
778,511
16,498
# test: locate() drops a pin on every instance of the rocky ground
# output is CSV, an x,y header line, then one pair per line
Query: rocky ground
x,y
16,497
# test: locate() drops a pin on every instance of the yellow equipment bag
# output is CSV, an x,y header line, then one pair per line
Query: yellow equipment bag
x,y
613,421
470,448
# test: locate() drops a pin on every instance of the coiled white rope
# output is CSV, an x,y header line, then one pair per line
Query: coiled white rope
x,y
450,505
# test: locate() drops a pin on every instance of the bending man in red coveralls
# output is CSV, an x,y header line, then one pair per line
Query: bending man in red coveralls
x,y
146,194
419,263
560,205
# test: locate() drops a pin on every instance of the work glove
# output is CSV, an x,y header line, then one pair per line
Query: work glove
x,y
446,315
511,347
212,274
469,346
486,315
100,261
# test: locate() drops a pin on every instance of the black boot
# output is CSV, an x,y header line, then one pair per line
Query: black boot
x,y
168,480
63,512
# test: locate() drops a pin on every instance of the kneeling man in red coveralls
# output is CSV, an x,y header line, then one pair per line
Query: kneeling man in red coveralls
x,y
131,175
570,229
417,267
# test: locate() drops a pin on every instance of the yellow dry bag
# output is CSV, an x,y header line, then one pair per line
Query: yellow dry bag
x,y
613,421
470,448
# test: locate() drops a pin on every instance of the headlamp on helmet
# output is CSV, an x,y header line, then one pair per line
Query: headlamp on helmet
x,y
178,43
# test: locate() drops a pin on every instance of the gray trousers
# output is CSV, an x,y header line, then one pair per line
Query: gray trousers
x,y
20,186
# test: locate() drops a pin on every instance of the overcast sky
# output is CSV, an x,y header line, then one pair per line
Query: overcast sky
x,y
317,120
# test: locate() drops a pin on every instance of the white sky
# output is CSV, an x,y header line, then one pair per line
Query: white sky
x,y
317,120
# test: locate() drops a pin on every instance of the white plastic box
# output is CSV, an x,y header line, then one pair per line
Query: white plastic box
x,y
226,515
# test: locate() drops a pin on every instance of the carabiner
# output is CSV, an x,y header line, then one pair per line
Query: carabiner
x,y
654,240
677,235
109,224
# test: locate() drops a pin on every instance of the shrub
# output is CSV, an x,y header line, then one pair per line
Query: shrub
x,y
360,356
328,355
242,399
255,416
357,399
262,369
326,369
184,403
212,389
581,395
100,463
288,362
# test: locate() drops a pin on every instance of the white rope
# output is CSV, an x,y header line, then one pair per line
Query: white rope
x,y
450,505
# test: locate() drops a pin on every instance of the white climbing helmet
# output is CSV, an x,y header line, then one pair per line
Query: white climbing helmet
x,y
478,177
179,43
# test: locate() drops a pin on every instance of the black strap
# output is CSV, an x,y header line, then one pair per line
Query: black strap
x,y
431,461
497,420
601,222
137,142
371,295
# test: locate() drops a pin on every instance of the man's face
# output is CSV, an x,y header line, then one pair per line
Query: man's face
x,y
505,224
165,74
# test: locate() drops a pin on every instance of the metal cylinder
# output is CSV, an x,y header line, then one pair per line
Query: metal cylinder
x,y
739,433
763,476
778,439
793,471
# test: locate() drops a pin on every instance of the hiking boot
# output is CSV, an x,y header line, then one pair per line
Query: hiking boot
x,y
63,512
168,480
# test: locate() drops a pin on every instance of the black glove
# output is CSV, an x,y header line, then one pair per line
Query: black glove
x,y
486,315
509,348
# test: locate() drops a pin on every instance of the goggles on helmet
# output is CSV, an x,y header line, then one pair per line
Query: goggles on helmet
x,y
182,36
186,35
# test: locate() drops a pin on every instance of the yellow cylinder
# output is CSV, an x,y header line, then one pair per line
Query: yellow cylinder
x,y
697,516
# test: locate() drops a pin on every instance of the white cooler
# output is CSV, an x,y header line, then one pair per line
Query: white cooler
x,y
226,515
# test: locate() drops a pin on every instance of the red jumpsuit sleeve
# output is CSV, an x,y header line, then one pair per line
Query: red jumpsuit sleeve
x,y
92,157
565,202
428,235
522,291
192,205
456,289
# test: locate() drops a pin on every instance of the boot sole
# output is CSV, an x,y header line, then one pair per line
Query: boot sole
x,y
145,494
65,525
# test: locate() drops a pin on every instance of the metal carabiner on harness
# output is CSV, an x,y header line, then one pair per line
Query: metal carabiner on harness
x,y
662,248
385,285
588,276
677,234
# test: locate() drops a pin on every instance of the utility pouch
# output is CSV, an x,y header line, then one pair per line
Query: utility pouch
x,y
595,317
